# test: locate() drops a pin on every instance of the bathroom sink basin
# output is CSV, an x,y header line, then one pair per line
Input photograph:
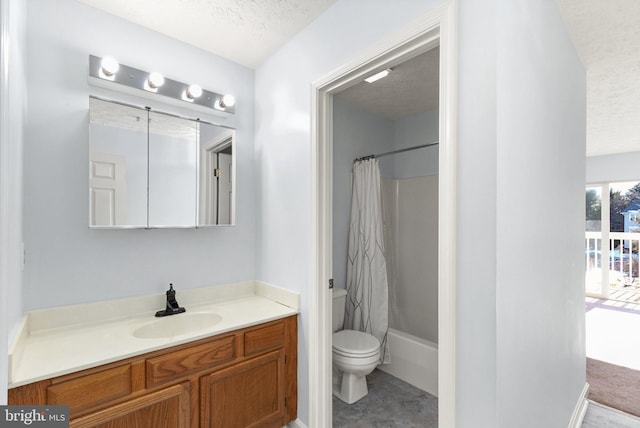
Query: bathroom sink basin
x,y
176,325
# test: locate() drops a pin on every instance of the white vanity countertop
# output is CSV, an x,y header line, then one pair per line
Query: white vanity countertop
x,y
58,341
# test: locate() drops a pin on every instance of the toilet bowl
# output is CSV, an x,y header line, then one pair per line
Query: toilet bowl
x,y
355,355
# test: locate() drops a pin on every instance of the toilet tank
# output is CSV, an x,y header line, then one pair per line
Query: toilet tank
x,y
339,296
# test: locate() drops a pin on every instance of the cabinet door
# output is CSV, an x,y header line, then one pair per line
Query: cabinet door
x,y
167,408
250,394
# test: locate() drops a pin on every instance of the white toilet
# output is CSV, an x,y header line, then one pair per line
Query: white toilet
x,y
355,355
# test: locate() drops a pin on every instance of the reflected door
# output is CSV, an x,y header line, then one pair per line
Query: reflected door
x,y
117,165
107,189
216,194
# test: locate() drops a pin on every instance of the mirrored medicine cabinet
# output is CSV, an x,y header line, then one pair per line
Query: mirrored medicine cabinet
x,y
149,169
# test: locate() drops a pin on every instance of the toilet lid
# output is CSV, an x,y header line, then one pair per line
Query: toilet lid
x,y
355,342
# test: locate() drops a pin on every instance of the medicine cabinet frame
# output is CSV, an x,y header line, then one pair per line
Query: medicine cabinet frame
x,y
135,151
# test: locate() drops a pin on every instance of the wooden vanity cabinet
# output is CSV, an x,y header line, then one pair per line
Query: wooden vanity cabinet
x,y
245,378
167,408
248,395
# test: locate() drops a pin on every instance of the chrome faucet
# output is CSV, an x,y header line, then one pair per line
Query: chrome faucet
x,y
172,304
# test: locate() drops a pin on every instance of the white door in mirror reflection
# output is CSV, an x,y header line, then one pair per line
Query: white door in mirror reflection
x,y
107,189
216,181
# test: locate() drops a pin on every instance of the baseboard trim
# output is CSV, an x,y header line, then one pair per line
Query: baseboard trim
x,y
580,409
295,424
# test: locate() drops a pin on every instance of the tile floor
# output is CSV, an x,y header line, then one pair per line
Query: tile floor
x,y
394,403
390,403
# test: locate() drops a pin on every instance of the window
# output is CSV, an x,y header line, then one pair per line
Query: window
x,y
612,235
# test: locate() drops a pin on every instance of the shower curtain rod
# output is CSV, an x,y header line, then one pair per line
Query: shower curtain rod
x,y
395,151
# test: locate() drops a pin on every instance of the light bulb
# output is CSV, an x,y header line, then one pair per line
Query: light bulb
x,y
194,91
155,80
227,101
377,76
109,66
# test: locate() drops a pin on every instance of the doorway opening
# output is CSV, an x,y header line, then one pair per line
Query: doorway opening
x,y
436,29
612,241
216,180
385,205
612,288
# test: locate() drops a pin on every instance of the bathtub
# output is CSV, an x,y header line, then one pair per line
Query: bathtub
x,y
414,360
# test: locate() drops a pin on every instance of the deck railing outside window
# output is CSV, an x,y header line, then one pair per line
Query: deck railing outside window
x,y
621,251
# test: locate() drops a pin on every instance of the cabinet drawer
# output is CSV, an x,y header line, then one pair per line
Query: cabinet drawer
x,y
92,390
263,339
170,367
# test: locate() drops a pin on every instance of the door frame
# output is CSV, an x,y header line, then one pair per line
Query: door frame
x,y
437,27
5,190
203,185
604,237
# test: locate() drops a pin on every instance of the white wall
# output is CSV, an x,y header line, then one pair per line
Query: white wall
x,y
12,105
515,57
616,167
172,179
540,172
413,248
68,263
521,151
283,88
414,290
410,200
412,131
356,133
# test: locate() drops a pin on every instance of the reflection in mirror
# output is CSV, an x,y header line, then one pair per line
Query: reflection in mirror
x,y
172,171
152,169
117,165
216,185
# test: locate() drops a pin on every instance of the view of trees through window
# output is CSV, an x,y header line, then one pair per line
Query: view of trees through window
x,y
623,198
593,209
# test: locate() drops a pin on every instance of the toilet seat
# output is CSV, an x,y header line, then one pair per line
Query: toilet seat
x,y
355,344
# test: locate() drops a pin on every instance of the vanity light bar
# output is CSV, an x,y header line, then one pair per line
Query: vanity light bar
x,y
106,71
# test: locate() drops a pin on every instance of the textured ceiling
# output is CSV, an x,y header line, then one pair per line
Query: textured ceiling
x,y
135,119
243,31
410,88
607,36
248,31
605,32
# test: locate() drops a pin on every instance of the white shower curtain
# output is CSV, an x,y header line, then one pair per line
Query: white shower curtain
x,y
367,307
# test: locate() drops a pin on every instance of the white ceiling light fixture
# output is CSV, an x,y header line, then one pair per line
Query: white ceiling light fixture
x,y
108,73
109,66
155,80
194,91
225,102
378,76
228,101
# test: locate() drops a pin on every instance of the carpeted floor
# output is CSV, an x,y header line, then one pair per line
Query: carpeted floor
x,y
614,386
